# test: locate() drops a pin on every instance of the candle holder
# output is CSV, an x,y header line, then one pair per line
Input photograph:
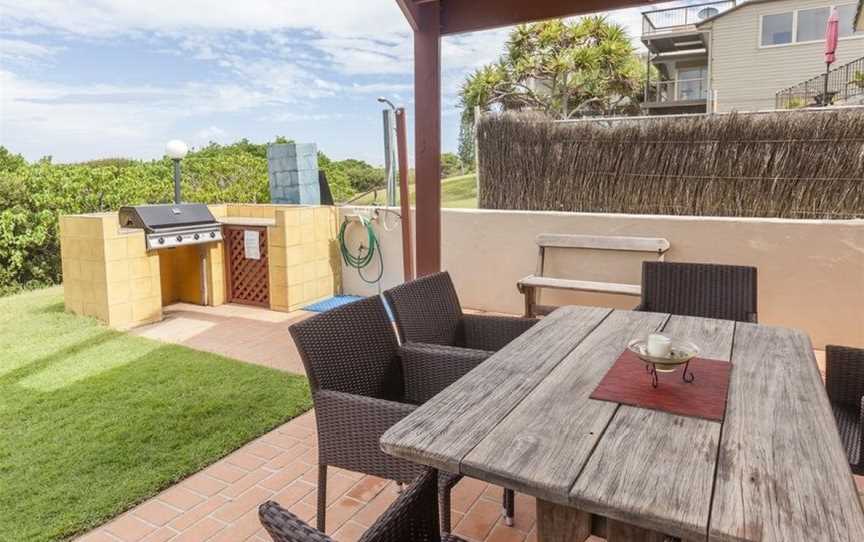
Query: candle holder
x,y
681,353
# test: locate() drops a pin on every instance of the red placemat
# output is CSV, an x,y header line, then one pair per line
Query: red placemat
x,y
628,383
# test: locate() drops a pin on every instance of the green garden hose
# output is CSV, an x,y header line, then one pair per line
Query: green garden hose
x,y
365,255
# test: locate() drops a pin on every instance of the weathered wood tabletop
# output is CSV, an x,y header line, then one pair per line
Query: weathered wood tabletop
x,y
773,470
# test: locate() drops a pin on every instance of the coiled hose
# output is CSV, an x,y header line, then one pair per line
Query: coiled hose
x,y
362,260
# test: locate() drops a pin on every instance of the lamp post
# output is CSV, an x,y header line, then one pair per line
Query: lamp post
x,y
176,151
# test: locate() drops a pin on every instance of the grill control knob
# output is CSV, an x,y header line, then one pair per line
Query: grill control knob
x,y
161,240
196,236
212,234
179,238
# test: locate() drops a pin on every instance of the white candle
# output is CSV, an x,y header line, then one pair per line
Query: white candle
x,y
659,346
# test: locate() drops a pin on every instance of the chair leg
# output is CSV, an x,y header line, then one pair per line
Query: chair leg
x,y
322,497
444,508
509,506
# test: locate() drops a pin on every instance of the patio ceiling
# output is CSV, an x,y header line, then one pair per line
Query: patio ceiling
x,y
431,19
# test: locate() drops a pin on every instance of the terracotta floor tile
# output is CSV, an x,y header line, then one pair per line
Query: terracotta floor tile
x,y
293,493
203,485
859,482
367,488
502,533
245,460
532,536
241,485
201,531
349,532
232,510
369,513
479,520
189,518
180,497
285,476
337,485
303,511
225,472
128,528
242,529
162,534
262,450
341,511
156,512
280,440
526,512
467,491
98,535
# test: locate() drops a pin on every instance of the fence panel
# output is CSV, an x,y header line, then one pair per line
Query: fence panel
x,y
802,164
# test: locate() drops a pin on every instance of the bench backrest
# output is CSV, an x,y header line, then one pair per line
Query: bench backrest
x,y
657,245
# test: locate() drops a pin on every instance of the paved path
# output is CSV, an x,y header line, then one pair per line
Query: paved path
x,y
220,503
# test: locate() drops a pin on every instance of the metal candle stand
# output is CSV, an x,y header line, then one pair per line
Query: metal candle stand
x,y
651,369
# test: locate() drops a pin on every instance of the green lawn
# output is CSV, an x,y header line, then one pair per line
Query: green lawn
x,y
93,421
456,192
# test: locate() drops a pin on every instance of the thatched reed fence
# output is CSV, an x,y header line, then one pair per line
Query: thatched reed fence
x,y
799,164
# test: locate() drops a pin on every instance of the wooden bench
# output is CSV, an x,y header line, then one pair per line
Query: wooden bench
x,y
530,285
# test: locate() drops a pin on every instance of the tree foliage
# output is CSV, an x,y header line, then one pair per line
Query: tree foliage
x,y
563,69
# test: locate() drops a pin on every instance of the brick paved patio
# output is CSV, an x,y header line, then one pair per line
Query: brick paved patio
x,y
220,503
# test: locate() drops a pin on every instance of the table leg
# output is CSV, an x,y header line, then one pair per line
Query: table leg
x,y
617,531
560,523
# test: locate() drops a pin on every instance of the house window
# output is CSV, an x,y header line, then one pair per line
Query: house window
x,y
812,23
777,29
847,20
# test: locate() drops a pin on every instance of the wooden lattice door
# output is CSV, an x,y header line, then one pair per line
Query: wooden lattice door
x,y
248,280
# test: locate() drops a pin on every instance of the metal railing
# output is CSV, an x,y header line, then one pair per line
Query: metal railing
x,y
670,18
676,90
844,82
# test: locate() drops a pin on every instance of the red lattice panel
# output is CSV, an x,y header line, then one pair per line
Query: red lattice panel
x,y
247,279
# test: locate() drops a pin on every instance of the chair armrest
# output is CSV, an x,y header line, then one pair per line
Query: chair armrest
x,y
349,431
283,526
844,374
429,368
859,468
484,332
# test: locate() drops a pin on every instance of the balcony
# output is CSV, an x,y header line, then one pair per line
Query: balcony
x,y
677,93
681,18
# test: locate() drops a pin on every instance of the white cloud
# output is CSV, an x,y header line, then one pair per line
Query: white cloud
x,y
211,133
16,49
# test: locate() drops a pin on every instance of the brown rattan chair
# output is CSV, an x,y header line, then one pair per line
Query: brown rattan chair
x,y
440,343
412,517
844,380
726,292
351,359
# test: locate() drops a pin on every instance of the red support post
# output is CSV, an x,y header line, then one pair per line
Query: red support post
x,y
404,196
427,136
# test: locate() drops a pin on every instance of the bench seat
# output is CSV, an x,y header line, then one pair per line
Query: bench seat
x,y
533,281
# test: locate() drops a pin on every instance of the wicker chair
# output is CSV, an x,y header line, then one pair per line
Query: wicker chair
x,y
844,380
727,292
351,361
436,334
412,517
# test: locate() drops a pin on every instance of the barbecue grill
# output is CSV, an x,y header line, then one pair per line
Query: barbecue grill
x,y
172,225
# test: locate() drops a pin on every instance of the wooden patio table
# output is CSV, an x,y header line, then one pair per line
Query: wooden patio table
x,y
773,470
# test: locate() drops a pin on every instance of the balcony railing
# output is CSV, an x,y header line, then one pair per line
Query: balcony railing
x,y
676,90
672,18
844,82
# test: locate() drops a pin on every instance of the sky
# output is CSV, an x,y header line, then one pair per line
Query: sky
x,y
86,79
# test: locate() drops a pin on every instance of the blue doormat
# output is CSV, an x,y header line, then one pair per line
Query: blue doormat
x,y
332,303
338,301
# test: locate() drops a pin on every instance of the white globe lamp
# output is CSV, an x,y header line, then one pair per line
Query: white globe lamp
x,y
176,150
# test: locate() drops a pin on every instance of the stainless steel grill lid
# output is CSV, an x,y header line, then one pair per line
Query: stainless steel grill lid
x,y
172,225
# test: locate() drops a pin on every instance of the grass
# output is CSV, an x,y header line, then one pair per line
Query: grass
x,y
94,421
456,192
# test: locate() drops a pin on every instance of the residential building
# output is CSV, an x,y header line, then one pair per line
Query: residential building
x,y
723,56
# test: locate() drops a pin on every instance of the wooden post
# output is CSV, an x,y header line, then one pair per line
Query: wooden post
x,y
404,196
427,136
477,113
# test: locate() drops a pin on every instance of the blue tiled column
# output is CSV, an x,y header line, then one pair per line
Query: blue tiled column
x,y
293,172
